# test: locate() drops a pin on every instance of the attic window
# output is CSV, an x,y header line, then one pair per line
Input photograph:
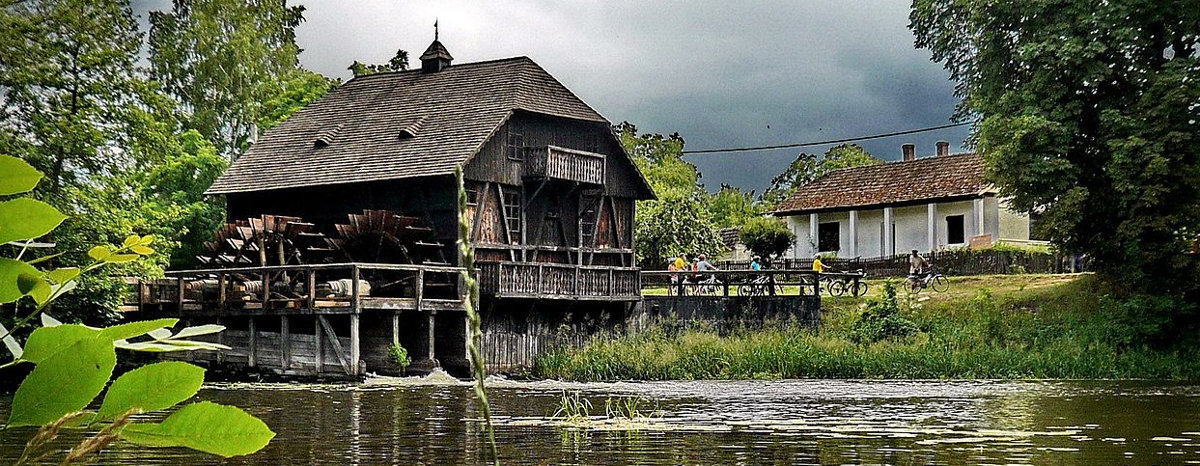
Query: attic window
x,y
410,128
325,138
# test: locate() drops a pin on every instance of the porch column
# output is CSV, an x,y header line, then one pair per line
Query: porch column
x,y
812,234
853,233
889,235
932,209
977,213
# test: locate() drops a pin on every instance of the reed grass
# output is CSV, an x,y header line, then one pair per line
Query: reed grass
x,y
1058,329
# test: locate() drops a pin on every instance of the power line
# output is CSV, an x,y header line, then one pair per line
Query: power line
x,y
822,143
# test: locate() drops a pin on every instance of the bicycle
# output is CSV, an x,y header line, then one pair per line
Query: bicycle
x,y
931,279
854,285
709,285
760,286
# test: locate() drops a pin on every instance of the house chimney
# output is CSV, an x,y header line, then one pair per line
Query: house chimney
x,y
910,152
436,57
943,148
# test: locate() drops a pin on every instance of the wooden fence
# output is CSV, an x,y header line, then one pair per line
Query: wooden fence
x,y
951,262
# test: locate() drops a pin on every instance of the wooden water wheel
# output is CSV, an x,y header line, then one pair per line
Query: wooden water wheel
x,y
387,237
263,241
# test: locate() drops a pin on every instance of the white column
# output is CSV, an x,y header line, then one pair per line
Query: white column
x,y
889,235
932,209
977,212
812,234
853,252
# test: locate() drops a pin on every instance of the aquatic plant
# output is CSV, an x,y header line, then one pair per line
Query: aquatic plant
x,y
399,356
573,408
467,260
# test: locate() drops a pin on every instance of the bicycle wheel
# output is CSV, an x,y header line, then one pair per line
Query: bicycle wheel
x,y
837,288
859,289
940,283
912,285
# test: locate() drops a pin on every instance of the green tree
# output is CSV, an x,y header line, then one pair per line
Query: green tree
x,y
222,59
1088,117
296,90
731,208
679,220
766,236
399,62
807,167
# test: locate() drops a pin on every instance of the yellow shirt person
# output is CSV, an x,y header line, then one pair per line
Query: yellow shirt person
x,y
817,265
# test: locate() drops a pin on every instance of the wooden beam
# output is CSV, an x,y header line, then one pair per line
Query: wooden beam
x,y
395,327
335,344
252,357
355,351
319,346
285,343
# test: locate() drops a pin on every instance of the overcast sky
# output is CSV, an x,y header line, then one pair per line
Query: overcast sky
x,y
720,73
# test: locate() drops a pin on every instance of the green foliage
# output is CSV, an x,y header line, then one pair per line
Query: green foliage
x,y
399,62
679,220
766,236
399,356
573,408
294,91
221,59
192,427
731,208
880,319
1087,117
807,167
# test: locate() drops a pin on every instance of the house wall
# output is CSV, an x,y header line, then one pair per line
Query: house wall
x,y
911,228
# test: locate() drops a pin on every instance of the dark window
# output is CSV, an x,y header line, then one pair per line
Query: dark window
x,y
828,237
472,194
512,214
954,229
515,148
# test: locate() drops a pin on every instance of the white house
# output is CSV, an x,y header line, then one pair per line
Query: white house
x,y
882,210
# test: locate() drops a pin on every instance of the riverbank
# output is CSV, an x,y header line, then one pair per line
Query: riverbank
x,y
990,327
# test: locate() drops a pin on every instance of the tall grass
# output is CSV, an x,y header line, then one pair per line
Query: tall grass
x,y
1067,331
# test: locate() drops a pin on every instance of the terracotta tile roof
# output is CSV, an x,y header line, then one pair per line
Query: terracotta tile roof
x,y
924,179
446,117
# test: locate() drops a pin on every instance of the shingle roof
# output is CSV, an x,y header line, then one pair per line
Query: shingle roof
x,y
452,113
924,179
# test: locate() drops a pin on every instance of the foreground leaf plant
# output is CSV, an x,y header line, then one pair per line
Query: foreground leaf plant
x,y
73,363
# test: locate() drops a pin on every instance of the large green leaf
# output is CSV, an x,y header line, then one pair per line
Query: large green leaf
x,y
17,176
45,342
204,426
133,329
63,383
11,271
25,218
151,388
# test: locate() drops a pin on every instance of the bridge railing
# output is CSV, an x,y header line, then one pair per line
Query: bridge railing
x,y
774,282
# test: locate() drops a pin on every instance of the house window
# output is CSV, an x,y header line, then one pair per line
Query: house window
x,y
515,147
472,194
954,229
828,237
512,214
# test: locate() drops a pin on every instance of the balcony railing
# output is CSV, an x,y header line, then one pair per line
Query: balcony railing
x,y
564,164
559,281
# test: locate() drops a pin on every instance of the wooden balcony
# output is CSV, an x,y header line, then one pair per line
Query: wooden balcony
x,y
559,281
564,164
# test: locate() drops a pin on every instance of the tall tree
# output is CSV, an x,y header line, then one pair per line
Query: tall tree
x,y
70,89
679,220
807,167
399,62
730,207
222,59
299,88
1089,114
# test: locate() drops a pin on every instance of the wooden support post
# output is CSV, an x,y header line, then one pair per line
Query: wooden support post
x,y
252,355
430,335
355,355
725,286
179,285
354,274
312,288
419,289
220,341
319,346
395,327
540,281
221,283
266,290
285,343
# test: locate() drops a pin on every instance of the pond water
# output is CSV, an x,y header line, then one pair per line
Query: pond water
x,y
435,421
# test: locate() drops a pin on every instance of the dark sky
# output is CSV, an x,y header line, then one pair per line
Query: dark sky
x,y
720,73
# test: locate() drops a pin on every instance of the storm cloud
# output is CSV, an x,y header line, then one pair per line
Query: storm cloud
x,y
720,73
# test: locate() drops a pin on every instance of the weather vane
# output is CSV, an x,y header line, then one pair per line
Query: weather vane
x,y
435,29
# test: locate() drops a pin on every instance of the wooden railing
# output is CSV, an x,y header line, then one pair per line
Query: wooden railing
x,y
564,164
559,281
776,282
298,287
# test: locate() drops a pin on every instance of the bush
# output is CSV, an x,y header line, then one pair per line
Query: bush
x,y
766,236
881,320
399,356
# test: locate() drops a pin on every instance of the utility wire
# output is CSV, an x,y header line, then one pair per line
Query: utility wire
x,y
822,143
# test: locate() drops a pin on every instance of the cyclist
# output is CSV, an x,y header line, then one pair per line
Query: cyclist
x,y
818,266
756,263
917,266
703,265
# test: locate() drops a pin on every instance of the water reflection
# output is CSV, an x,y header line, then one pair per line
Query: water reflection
x,y
406,421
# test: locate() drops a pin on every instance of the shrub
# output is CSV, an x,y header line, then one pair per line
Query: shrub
x,y
881,320
766,236
399,356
